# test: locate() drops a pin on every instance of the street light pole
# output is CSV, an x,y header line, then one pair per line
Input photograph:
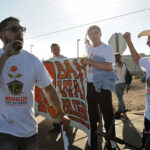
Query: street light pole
x,y
31,47
78,40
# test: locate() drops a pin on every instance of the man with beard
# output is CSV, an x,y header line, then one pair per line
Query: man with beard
x,y
19,72
145,66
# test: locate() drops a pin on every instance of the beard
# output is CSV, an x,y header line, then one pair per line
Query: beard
x,y
17,43
7,40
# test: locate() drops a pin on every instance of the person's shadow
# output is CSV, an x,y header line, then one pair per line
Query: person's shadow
x,y
53,140
49,141
130,134
71,134
99,139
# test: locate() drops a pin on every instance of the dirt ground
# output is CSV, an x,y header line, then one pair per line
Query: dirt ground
x,y
135,98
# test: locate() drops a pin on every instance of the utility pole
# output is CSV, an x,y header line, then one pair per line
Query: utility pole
x,y
31,47
78,40
117,42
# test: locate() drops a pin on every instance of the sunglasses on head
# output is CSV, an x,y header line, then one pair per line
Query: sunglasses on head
x,y
16,29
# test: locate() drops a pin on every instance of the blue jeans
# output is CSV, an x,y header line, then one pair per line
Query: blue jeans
x,y
10,142
119,92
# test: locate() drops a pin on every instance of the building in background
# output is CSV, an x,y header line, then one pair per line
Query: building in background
x,y
131,65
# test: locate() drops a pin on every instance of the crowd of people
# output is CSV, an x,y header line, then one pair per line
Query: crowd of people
x,y
18,128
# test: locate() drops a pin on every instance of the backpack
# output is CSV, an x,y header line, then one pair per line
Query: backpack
x,y
128,78
143,78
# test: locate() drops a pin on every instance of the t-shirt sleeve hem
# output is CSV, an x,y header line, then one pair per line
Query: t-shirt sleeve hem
x,y
46,85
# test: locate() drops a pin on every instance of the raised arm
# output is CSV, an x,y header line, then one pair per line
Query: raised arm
x,y
87,43
132,49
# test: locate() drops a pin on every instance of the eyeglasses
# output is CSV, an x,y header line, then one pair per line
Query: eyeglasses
x,y
16,29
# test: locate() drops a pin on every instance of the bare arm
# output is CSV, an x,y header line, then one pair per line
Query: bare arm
x,y
87,42
133,51
55,100
99,65
3,60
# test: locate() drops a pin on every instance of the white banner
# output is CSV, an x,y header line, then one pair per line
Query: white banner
x,y
69,78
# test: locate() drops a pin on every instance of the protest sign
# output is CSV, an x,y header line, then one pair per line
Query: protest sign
x,y
69,78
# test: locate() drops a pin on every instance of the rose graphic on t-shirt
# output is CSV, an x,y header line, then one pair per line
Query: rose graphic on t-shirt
x,y
13,68
15,87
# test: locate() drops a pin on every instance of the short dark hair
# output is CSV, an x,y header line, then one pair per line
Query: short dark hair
x,y
54,44
3,23
94,27
118,58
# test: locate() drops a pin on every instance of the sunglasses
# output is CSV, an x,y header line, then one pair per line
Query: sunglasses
x,y
16,29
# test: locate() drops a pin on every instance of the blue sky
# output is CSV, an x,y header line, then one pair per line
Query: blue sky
x,y
53,17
